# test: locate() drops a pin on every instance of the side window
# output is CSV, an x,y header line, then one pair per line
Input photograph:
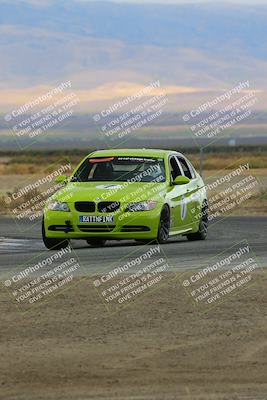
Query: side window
x,y
174,168
185,167
192,169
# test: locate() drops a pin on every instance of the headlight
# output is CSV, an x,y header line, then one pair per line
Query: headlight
x,y
58,206
141,206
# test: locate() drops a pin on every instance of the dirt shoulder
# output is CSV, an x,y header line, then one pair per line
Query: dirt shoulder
x,y
160,347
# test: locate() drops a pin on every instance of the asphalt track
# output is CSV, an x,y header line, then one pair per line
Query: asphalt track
x,y
18,247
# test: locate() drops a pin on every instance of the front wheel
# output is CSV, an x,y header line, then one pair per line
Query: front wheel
x,y
51,243
164,225
202,232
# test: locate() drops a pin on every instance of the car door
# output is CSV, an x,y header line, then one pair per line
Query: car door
x,y
181,219
192,197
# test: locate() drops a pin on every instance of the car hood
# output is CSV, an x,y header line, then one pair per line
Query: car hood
x,y
110,191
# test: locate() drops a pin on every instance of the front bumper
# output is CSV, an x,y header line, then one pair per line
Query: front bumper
x,y
126,225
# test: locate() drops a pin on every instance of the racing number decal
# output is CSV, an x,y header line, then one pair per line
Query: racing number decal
x,y
183,208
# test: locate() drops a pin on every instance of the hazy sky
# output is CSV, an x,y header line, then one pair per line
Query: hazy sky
x,y
250,2
42,3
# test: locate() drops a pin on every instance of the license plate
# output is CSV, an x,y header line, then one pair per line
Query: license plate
x,y
99,219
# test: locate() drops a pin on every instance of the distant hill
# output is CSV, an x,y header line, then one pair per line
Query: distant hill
x,y
207,47
209,27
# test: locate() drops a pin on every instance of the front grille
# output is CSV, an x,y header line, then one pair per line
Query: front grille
x,y
108,206
61,228
96,228
135,228
85,206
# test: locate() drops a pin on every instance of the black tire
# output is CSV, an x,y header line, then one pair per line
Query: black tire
x,y
164,225
96,242
53,244
203,226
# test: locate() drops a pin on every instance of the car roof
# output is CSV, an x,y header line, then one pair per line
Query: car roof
x,y
134,152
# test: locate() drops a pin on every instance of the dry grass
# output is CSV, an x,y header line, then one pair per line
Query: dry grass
x,y
22,164
14,170
218,161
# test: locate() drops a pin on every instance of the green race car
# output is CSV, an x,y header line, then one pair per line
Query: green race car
x,y
127,194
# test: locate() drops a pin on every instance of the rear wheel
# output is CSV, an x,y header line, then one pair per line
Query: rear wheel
x,y
164,225
202,233
51,243
96,242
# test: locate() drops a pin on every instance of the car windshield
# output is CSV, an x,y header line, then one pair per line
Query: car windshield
x,y
121,169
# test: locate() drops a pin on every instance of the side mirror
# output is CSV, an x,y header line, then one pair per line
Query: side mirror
x,y
181,180
61,179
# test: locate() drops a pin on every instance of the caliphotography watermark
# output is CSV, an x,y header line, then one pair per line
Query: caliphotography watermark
x,y
43,277
25,203
137,274
229,191
42,114
214,118
123,118
222,276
